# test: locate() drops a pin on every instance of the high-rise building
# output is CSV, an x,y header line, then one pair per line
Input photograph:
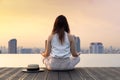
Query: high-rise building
x,y
77,43
12,46
96,47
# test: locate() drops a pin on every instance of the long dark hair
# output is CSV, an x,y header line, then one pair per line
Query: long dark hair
x,y
61,25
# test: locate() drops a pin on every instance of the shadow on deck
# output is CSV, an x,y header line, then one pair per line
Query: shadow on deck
x,y
91,73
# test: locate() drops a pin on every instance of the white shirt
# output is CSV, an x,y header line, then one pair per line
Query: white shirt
x,y
60,50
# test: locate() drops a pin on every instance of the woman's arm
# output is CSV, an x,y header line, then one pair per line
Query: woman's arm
x,y
72,46
48,47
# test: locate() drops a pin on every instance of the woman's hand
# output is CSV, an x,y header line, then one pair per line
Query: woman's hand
x,y
43,53
79,53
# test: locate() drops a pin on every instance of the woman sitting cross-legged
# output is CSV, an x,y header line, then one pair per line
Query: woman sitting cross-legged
x,y
60,46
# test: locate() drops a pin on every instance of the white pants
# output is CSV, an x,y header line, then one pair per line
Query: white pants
x,y
53,63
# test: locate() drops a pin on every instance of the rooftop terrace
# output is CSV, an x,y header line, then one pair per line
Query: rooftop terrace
x,y
91,67
76,74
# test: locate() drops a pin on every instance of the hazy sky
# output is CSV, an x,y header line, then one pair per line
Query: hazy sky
x,y
31,21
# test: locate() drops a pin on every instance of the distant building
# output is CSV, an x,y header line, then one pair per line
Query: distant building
x,y
26,50
36,50
96,47
3,50
77,43
19,49
12,46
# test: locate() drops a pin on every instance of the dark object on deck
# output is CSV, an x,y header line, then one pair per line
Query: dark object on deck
x,y
32,68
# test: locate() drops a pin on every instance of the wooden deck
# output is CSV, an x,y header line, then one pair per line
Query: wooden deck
x,y
102,73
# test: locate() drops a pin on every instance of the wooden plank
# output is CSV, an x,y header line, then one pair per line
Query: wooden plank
x,y
110,74
103,73
116,72
3,70
13,76
52,75
7,73
30,76
42,75
85,75
23,76
64,75
20,76
96,73
75,75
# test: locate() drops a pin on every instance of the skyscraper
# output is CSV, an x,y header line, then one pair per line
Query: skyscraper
x,y
77,43
12,46
96,47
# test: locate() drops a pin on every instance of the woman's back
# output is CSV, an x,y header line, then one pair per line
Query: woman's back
x,y
60,50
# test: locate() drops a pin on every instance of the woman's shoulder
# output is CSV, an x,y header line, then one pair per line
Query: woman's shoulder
x,y
50,37
70,35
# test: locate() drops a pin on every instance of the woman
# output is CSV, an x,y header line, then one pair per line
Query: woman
x,y
60,46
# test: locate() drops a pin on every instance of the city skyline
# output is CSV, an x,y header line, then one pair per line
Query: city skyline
x,y
94,47
31,21
76,38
